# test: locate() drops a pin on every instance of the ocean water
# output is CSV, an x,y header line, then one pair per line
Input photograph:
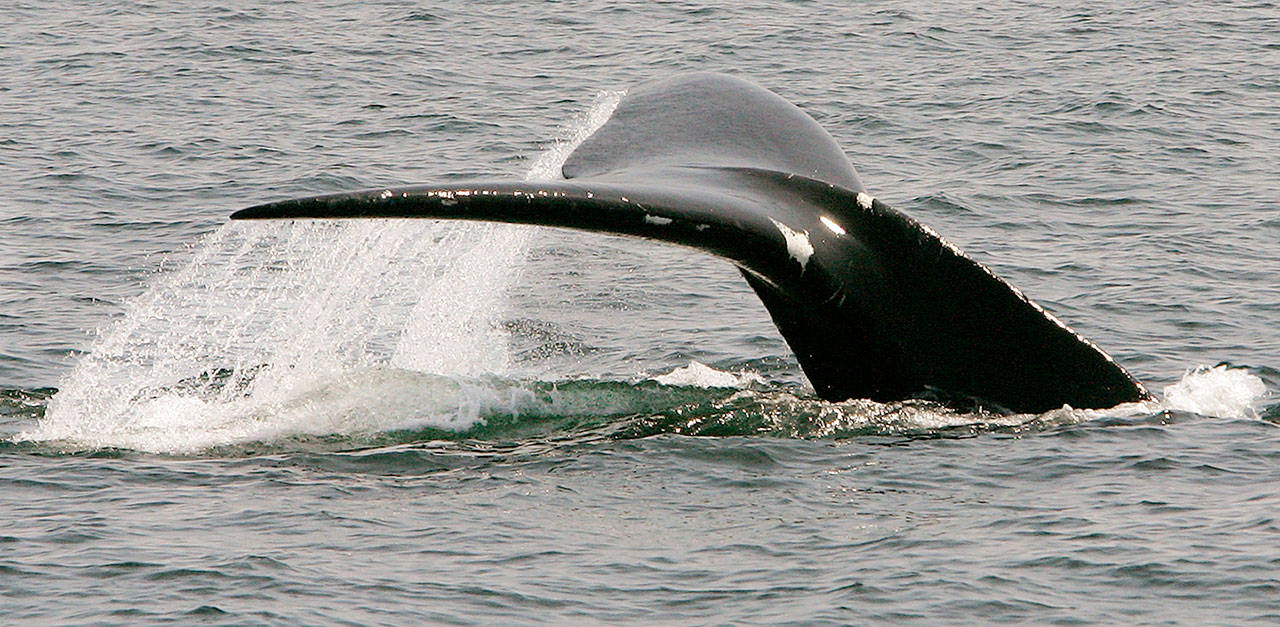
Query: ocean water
x,y
409,421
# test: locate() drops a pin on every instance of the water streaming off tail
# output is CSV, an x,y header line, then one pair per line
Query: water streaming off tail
x,y
314,327
275,329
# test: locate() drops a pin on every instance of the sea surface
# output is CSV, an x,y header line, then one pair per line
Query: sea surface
x,y
397,421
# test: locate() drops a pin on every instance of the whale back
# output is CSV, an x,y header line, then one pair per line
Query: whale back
x,y
710,120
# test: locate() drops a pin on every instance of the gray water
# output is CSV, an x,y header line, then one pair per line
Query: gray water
x,y
399,421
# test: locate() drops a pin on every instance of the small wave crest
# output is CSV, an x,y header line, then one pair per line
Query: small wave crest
x,y
698,374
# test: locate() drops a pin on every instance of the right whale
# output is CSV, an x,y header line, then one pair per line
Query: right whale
x,y
873,303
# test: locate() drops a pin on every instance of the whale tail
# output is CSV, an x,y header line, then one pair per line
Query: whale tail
x,y
873,303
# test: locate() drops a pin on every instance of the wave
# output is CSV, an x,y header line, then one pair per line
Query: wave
x,y
387,406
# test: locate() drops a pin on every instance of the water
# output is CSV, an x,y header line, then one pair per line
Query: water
x,y
403,421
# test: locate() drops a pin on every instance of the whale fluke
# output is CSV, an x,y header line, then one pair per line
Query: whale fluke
x,y
873,303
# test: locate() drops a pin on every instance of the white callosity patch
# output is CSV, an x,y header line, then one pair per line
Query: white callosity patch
x,y
865,200
798,244
275,329
657,220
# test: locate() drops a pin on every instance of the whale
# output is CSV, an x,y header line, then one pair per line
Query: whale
x,y
873,303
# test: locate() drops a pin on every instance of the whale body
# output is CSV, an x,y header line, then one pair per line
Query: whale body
x,y
873,303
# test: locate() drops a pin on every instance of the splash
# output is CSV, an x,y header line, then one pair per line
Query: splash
x,y
698,374
308,327
1219,391
547,165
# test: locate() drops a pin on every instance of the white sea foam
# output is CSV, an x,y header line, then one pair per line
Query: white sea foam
x,y
281,328
1218,391
698,374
